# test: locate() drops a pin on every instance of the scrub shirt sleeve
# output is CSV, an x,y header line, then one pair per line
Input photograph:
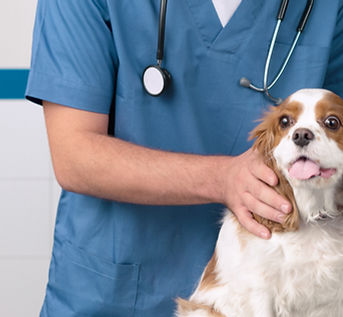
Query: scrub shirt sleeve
x,y
74,60
334,76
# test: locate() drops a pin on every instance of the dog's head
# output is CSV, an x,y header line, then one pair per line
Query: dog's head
x,y
302,141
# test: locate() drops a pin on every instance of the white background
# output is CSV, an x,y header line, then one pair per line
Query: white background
x,y
28,190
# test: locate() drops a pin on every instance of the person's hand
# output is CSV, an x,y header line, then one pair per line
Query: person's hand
x,y
247,191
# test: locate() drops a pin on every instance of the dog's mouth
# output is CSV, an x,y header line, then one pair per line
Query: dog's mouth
x,y
304,168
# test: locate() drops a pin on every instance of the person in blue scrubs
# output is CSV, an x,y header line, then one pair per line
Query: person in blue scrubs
x,y
145,179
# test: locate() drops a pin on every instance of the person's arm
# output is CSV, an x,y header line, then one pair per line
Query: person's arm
x,y
86,160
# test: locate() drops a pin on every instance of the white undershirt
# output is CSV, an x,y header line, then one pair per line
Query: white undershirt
x,y
225,9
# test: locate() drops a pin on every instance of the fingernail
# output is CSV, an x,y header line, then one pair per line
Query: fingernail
x,y
285,208
264,234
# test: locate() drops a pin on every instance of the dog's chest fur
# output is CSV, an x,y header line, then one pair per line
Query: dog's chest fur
x,y
299,271
293,274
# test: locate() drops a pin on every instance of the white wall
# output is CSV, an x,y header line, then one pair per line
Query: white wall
x,y
16,23
28,189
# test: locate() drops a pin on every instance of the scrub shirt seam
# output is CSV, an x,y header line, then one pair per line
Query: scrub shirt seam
x,y
197,26
236,136
93,271
74,84
137,289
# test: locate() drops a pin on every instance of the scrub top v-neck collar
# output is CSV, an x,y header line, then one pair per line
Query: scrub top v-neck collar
x,y
227,38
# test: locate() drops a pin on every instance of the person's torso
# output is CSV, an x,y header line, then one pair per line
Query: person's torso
x,y
139,258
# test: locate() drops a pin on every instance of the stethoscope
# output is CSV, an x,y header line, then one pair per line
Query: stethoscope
x,y
282,11
156,79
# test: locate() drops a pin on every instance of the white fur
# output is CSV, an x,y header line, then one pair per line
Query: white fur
x,y
294,274
317,194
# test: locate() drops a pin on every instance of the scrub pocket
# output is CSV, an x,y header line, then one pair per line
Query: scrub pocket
x,y
83,285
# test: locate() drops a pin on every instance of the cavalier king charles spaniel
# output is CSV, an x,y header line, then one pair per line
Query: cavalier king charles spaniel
x,y
299,271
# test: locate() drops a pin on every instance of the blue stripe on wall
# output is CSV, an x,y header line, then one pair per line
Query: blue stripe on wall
x,y
13,83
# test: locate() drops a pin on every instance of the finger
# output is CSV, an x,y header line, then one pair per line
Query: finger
x,y
263,172
262,209
248,222
268,195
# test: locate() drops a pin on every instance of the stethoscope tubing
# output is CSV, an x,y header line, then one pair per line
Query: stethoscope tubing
x,y
166,77
290,52
161,32
281,13
155,78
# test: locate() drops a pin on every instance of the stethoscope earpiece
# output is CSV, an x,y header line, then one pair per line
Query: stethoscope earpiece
x,y
245,82
155,80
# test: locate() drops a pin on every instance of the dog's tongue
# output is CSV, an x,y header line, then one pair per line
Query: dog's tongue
x,y
305,169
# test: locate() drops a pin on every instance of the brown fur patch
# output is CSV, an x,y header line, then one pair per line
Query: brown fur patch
x,y
209,278
185,307
268,135
291,222
243,235
331,105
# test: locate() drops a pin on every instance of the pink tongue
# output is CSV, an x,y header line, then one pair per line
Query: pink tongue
x,y
304,169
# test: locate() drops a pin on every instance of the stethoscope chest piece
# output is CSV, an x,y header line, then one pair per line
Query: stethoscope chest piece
x,y
155,80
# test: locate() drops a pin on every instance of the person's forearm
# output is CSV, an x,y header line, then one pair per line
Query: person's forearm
x,y
110,168
88,161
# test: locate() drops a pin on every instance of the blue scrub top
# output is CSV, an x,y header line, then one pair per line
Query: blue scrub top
x,y
121,260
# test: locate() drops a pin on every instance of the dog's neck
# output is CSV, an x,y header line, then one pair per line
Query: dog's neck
x,y
317,204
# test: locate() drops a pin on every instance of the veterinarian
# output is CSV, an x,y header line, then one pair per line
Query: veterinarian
x,y
145,178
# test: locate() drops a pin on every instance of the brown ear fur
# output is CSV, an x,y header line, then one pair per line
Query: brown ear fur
x,y
266,140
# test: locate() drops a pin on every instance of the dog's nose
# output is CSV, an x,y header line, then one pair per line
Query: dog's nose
x,y
302,137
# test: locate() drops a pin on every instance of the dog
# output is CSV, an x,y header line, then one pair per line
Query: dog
x,y
299,271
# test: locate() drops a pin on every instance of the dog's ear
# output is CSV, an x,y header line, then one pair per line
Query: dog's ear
x,y
291,222
265,134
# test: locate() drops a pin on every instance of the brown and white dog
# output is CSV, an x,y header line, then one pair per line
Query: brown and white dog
x,y
299,271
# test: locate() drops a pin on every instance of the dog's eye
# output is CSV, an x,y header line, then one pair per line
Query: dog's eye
x,y
332,123
285,122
